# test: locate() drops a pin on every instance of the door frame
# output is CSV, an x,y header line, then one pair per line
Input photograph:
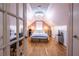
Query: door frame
x,y
6,41
70,31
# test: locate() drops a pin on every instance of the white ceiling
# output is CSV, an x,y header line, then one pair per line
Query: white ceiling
x,y
44,6
59,12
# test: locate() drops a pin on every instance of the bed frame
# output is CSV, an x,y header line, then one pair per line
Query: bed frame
x,y
39,39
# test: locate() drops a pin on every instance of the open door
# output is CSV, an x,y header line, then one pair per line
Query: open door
x,y
76,29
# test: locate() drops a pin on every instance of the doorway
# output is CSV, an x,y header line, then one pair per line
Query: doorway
x,y
57,17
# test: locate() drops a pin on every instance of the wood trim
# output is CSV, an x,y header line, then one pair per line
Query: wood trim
x,y
9,13
17,28
6,41
6,50
24,27
70,31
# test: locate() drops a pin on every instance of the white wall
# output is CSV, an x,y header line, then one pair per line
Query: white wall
x,y
59,16
61,28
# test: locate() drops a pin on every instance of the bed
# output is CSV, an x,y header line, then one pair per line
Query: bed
x,y
39,36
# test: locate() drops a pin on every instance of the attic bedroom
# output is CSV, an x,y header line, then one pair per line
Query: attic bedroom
x,y
47,29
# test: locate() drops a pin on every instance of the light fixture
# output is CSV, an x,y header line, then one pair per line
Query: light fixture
x,y
39,11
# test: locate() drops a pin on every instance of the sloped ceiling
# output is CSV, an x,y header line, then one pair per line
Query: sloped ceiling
x,y
31,7
58,12
44,7
29,15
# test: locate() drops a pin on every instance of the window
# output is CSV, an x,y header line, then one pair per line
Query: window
x,y
39,26
12,8
20,28
12,34
21,10
12,44
12,27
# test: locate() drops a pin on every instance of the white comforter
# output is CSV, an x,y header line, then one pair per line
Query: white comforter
x,y
40,34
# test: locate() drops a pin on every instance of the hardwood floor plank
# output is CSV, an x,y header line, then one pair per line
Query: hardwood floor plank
x,y
51,48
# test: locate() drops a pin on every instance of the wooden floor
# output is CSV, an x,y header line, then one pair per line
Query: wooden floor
x,y
52,48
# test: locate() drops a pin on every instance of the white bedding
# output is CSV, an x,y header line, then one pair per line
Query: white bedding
x,y
39,34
